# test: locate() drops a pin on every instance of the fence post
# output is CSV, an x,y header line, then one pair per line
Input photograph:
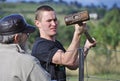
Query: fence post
x,y
81,64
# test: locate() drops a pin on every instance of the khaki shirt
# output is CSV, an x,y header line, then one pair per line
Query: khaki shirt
x,y
16,66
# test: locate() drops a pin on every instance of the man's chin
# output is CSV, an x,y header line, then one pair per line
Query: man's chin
x,y
53,34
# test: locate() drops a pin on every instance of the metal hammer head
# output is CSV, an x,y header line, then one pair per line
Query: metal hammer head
x,y
77,18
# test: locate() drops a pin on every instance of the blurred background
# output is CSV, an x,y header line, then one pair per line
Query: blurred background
x,y
102,62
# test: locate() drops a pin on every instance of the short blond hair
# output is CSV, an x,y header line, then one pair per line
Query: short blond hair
x,y
40,9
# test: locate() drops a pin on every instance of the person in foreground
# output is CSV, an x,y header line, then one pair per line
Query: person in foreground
x,y
16,65
50,52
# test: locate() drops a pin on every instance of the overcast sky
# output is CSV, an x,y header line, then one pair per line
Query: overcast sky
x,y
108,3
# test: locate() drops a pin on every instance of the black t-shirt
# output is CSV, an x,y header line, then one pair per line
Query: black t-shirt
x,y
44,50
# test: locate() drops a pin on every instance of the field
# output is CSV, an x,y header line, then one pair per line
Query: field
x,y
97,68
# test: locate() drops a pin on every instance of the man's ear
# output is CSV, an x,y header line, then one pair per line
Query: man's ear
x,y
37,23
16,38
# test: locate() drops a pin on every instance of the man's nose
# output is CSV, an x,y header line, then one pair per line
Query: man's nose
x,y
53,23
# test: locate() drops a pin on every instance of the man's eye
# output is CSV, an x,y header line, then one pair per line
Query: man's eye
x,y
49,20
55,19
52,20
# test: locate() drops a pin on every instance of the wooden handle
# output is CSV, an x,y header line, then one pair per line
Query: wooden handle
x,y
88,37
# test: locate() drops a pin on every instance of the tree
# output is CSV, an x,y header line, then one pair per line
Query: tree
x,y
107,33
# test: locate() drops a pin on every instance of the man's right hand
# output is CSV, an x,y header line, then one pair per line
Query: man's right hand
x,y
80,28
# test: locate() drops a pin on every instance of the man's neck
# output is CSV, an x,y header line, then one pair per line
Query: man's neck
x,y
49,38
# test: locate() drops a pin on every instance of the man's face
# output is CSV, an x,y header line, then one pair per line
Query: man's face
x,y
48,24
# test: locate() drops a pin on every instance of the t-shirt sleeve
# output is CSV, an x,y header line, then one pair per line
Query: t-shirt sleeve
x,y
44,51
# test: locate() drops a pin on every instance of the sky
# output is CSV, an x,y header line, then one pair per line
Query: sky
x,y
108,3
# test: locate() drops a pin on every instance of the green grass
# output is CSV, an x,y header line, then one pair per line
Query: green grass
x,y
102,77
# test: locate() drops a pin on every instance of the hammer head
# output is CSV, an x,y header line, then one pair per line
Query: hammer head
x,y
77,18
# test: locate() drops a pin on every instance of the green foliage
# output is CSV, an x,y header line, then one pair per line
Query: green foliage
x,y
107,33
105,30
111,24
65,34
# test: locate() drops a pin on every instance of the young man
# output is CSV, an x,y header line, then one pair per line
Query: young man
x,y
50,52
16,65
